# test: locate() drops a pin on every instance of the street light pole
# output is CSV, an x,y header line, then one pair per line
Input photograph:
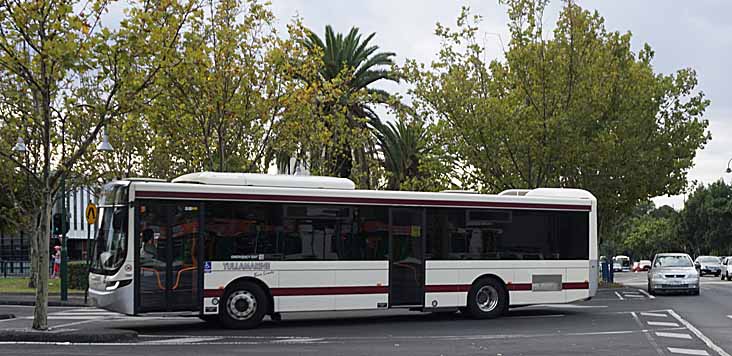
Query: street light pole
x,y
64,253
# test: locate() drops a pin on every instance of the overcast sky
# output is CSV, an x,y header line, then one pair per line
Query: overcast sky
x,y
695,34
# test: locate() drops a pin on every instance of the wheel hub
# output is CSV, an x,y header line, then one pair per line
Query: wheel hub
x,y
241,305
487,298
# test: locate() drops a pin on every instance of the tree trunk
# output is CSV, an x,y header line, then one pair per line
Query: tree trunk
x,y
40,260
32,228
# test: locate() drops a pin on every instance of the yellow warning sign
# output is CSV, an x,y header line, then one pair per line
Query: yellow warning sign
x,y
91,213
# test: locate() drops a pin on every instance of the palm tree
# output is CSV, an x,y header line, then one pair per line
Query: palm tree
x,y
350,57
403,144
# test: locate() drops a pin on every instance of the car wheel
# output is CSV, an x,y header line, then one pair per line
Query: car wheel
x,y
243,306
723,277
488,298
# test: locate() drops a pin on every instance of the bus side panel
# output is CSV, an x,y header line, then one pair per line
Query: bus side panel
x,y
448,282
374,277
579,275
521,290
297,289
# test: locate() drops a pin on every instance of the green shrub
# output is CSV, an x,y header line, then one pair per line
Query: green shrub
x,y
78,277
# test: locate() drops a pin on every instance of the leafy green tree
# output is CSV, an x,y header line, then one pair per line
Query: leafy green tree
x,y
68,77
354,65
705,223
578,108
412,159
653,233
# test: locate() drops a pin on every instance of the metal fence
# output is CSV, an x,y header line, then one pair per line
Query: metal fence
x,y
14,255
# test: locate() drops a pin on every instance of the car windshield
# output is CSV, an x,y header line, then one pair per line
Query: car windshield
x,y
709,259
672,261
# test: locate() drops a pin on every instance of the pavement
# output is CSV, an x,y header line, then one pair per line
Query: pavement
x,y
74,299
624,321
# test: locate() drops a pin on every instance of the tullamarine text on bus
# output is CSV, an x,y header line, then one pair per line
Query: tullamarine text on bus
x,y
246,266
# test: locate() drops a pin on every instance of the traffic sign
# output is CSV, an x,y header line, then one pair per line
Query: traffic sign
x,y
91,213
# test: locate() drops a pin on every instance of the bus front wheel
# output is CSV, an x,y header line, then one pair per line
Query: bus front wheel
x,y
243,306
488,298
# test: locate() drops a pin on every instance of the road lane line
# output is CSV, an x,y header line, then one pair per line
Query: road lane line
x,y
656,315
649,337
567,306
661,323
699,334
535,316
619,296
674,335
183,340
647,294
677,350
72,324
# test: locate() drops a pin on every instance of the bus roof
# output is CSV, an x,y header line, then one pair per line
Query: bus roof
x,y
284,190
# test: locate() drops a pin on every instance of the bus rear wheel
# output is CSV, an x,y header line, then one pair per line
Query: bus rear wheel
x,y
243,306
487,299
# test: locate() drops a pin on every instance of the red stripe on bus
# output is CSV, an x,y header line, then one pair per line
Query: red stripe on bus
x,y
383,201
576,285
519,286
280,292
446,288
213,293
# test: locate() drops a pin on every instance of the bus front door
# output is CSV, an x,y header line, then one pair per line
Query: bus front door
x,y
406,257
168,245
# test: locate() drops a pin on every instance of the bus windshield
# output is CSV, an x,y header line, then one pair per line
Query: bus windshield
x,y
110,248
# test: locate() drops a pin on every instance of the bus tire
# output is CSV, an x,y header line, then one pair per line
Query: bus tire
x,y
487,299
243,306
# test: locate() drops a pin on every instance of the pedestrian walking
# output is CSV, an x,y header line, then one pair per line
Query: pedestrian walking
x,y
56,262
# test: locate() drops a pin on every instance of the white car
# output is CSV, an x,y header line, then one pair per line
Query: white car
x,y
644,265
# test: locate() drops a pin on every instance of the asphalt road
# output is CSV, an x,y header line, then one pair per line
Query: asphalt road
x,y
616,322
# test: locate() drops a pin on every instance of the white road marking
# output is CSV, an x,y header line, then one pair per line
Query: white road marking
x,y
69,317
656,315
87,314
699,334
729,316
649,337
662,323
72,324
301,340
673,335
567,306
183,340
619,296
647,294
634,296
677,350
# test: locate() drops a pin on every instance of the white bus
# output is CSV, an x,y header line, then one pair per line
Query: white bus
x,y
242,246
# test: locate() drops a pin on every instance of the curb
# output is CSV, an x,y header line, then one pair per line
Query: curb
x,y
69,335
6,316
51,303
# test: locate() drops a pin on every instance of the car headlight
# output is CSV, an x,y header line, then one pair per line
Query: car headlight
x,y
692,275
658,275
